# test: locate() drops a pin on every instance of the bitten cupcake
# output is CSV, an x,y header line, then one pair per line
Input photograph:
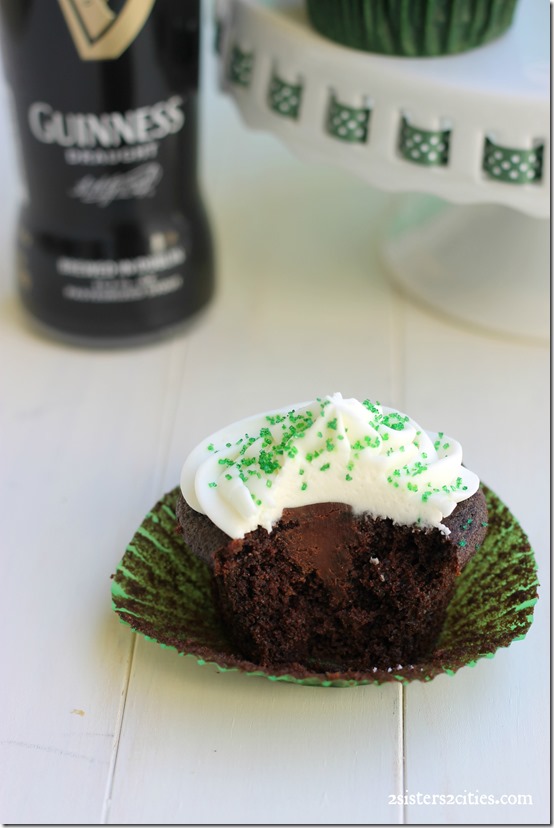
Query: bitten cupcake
x,y
412,28
334,531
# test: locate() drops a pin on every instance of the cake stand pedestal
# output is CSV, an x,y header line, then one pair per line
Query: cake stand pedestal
x,y
471,130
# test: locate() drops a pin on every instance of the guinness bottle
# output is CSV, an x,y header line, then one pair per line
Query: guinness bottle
x,y
113,241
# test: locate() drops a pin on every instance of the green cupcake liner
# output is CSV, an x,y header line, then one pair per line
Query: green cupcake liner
x,y
411,28
163,591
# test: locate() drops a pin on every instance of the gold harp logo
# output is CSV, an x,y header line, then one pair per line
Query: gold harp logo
x,y
98,32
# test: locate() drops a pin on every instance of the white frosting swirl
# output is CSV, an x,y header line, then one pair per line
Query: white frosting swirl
x,y
373,458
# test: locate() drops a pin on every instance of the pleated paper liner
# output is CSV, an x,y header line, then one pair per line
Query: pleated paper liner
x,y
162,590
411,28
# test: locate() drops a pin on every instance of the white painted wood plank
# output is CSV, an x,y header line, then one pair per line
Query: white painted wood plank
x,y
85,441
485,730
223,748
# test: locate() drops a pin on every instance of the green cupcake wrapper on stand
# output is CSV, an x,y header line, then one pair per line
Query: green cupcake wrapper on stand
x,y
411,28
163,591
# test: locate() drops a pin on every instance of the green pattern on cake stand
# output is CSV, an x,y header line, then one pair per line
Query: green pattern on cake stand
x,y
284,98
347,123
511,165
240,67
163,591
424,146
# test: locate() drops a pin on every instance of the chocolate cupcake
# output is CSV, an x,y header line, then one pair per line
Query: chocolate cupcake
x,y
412,28
334,531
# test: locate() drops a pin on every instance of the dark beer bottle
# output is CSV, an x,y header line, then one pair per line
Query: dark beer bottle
x,y
113,241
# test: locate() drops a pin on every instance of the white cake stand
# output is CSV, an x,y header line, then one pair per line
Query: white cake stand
x,y
471,130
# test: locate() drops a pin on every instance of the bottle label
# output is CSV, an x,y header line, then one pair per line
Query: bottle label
x,y
98,32
107,139
122,280
106,129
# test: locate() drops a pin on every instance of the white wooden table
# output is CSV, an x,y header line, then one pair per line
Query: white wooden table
x,y
100,726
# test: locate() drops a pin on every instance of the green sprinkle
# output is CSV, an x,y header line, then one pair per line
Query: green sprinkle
x,y
212,485
370,406
394,420
228,477
330,445
325,466
304,486
267,463
211,447
462,543
332,424
300,471
348,477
